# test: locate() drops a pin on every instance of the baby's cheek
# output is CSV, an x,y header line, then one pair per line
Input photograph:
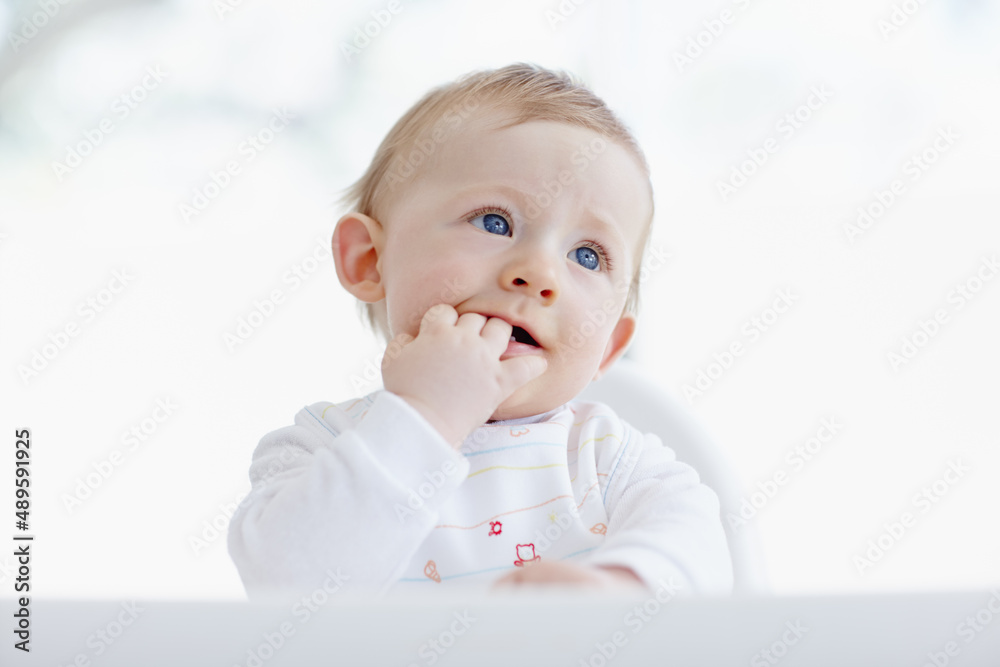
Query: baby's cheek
x,y
404,316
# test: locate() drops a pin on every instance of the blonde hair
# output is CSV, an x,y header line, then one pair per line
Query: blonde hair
x,y
526,93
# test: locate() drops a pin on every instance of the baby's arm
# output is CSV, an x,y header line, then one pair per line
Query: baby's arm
x,y
664,532
665,524
337,504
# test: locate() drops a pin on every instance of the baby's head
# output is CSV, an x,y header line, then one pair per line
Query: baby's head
x,y
513,193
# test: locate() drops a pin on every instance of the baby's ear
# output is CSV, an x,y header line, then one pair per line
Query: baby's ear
x,y
357,243
618,343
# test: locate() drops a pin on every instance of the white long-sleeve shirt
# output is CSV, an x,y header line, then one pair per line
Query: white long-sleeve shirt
x,y
368,492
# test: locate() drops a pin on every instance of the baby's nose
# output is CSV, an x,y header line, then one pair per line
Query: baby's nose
x,y
546,293
532,272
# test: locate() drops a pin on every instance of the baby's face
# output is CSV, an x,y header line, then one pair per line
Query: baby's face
x,y
537,224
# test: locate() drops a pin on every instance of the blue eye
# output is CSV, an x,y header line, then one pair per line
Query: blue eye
x,y
586,257
492,223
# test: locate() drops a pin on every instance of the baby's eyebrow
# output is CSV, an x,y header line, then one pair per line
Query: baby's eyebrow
x,y
599,223
523,198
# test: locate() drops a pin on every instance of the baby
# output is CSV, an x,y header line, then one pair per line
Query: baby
x,y
495,242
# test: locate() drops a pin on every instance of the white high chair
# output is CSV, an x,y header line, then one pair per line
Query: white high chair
x,y
644,404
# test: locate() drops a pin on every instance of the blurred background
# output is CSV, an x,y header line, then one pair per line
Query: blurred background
x,y
826,189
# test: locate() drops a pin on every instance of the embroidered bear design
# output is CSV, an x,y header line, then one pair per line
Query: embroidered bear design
x,y
526,554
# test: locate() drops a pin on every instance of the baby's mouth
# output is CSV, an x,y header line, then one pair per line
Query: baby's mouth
x,y
519,335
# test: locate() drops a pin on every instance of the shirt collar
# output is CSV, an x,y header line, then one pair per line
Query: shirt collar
x,y
533,419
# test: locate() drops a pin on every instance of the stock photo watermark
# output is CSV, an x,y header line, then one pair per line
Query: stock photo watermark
x,y
967,630
562,12
403,167
779,648
35,22
582,158
262,473
265,307
104,637
900,15
88,310
787,126
432,649
131,440
635,620
425,491
121,108
303,609
712,30
215,527
223,7
248,149
560,522
751,330
928,328
796,459
884,199
654,261
365,34
923,501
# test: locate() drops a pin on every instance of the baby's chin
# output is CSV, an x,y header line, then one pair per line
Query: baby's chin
x,y
528,402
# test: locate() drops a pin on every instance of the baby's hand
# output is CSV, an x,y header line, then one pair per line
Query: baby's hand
x,y
563,573
452,374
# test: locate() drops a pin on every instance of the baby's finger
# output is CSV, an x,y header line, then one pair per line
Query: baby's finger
x,y
497,332
519,371
439,313
473,322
